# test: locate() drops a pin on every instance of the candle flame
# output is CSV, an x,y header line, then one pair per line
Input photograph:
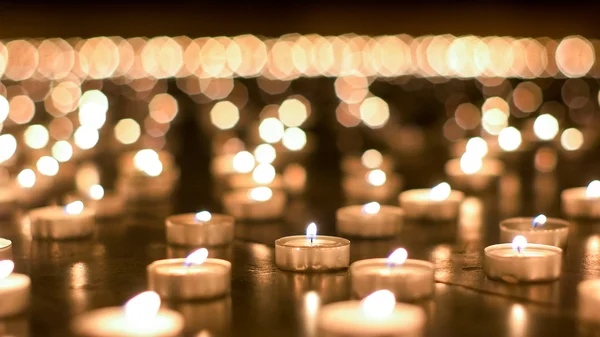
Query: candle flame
x,y
74,208
203,216
147,161
470,163
397,257
96,192
519,243
440,192
243,162
6,267
262,193
196,257
593,190
379,304
311,231
371,159
376,177
26,178
539,220
142,307
371,208
263,173
477,146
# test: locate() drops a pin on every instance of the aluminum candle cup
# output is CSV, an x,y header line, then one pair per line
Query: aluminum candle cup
x,y
5,249
377,315
14,290
471,178
582,202
312,252
431,204
359,189
200,229
140,317
529,263
369,221
178,279
589,301
56,222
260,203
410,281
553,232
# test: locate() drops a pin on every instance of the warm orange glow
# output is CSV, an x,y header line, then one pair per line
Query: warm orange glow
x,y
163,108
224,115
292,112
127,131
527,96
575,56
374,112
21,109
22,61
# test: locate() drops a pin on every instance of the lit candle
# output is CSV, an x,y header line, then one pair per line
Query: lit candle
x,y
312,252
473,173
541,229
200,229
259,203
374,185
141,316
408,279
440,203
376,315
522,262
588,300
195,277
5,249
56,222
582,202
369,221
369,160
14,290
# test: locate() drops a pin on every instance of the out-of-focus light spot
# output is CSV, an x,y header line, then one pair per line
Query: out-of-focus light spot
x,y
374,112
148,161
93,106
4,108
62,151
477,146
571,139
345,116
494,120
22,61
26,178
575,56
36,136
545,127
545,159
154,128
8,147
60,128
527,96
96,192
260,194
509,139
86,137
265,153
99,57
263,173
470,163
162,57
452,131
224,115
292,112
496,103
271,130
294,139
127,131
371,159
351,89
63,98
376,177
467,116
163,108
243,162
47,166
87,175
21,109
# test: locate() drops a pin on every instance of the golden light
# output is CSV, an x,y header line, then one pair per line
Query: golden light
x,y
494,120
93,106
147,161
86,175
203,216
509,139
571,139
376,177
593,189
397,257
260,194
22,109
99,57
265,153
224,115
379,304
96,192
440,192
374,112
143,307
86,137
243,162
6,268
26,178
74,208
294,177
4,108
575,56
539,220
545,127
311,231
371,208
60,128
263,173
47,166
22,61
163,108
467,116
271,130
292,112
127,131
62,151
162,57
294,139
527,96
477,146
36,136
8,147
470,163
197,257
519,243
371,159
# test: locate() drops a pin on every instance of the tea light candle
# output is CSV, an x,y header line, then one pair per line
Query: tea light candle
x,y
312,252
56,222
200,229
589,301
5,249
473,173
522,262
408,279
195,277
541,229
14,290
375,185
141,316
582,202
376,315
369,221
369,160
440,203
259,203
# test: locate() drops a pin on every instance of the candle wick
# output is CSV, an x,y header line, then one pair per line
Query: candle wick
x,y
311,241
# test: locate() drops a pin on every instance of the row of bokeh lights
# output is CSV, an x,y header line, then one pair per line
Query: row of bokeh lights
x,y
294,55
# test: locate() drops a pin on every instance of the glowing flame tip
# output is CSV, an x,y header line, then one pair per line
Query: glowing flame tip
x,y
6,267
379,304
197,257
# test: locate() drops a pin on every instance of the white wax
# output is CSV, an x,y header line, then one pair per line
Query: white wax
x,y
348,319
508,252
14,294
